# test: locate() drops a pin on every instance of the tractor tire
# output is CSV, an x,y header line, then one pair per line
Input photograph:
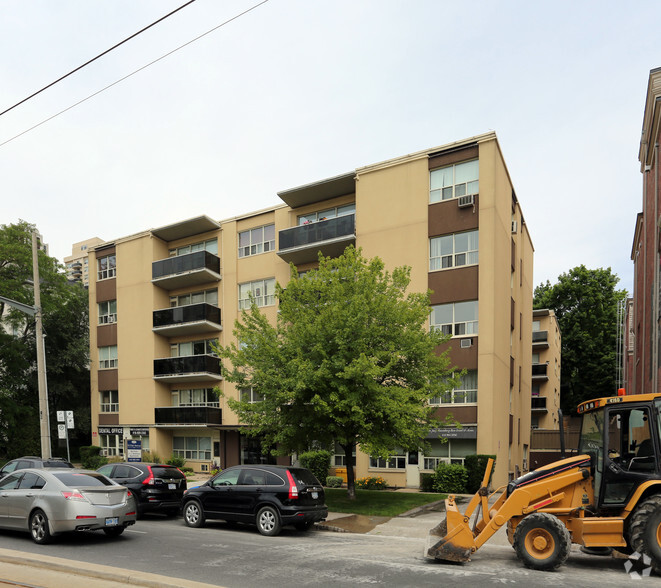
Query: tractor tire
x,y
542,542
644,530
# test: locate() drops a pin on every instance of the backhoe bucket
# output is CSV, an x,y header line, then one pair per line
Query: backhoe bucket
x,y
456,541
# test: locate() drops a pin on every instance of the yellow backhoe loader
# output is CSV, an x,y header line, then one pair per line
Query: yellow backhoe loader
x,y
608,495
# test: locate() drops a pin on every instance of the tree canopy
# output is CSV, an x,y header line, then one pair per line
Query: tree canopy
x,y
65,325
585,302
351,360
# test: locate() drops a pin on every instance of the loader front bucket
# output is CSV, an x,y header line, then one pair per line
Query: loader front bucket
x,y
456,541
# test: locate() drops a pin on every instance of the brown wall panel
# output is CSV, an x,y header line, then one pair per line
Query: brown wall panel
x,y
454,285
106,335
464,414
450,157
446,217
106,290
108,380
461,358
108,418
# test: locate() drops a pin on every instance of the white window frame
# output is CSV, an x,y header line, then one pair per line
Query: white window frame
x,y
429,462
194,448
112,404
322,215
107,312
175,348
111,449
210,245
462,395
253,241
260,291
195,397
108,357
454,256
454,327
106,267
394,462
454,181
250,395
208,296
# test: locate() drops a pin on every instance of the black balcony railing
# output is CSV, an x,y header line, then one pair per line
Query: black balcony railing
x,y
540,336
314,233
538,403
539,369
190,364
188,415
192,313
199,260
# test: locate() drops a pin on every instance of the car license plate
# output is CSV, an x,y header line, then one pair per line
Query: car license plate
x,y
315,495
172,486
112,521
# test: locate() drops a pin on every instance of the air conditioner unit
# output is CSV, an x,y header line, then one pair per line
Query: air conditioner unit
x,y
515,226
464,201
466,343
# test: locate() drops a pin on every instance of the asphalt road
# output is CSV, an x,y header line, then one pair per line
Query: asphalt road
x,y
239,557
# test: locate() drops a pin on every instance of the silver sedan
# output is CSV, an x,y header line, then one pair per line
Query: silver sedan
x,y
49,501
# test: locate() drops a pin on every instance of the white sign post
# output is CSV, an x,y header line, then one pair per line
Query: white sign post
x,y
63,429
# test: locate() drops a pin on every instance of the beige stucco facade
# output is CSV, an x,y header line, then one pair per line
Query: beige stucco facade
x,y
141,367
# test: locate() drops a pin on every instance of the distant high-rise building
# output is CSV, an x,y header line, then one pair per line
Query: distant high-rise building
x,y
77,263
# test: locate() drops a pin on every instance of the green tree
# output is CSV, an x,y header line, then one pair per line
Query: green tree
x,y
585,303
351,360
65,325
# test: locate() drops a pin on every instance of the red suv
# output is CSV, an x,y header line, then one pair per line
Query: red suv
x,y
264,495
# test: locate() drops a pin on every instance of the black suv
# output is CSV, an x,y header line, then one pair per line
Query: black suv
x,y
31,461
156,487
264,495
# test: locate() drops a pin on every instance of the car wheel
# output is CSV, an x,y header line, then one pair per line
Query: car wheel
x,y
542,542
113,531
644,530
39,527
193,514
268,521
306,526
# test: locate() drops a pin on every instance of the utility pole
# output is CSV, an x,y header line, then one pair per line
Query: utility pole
x,y
44,423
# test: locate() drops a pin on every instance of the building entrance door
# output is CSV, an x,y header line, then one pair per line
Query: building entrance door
x,y
413,469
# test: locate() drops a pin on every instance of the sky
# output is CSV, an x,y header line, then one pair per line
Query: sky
x,y
296,91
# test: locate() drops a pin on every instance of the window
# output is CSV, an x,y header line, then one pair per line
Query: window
x,y
263,292
109,401
249,395
195,397
208,296
108,312
394,462
108,357
106,267
111,444
535,326
466,393
210,245
454,181
453,451
322,215
453,250
255,241
192,447
340,458
458,318
203,347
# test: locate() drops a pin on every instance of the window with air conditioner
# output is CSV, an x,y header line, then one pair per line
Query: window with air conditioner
x,y
454,181
455,318
107,312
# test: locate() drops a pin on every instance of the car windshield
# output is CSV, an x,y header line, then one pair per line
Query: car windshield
x,y
161,472
304,477
82,479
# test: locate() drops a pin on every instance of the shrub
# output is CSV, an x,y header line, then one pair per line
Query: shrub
x,y
176,461
149,457
318,462
427,483
90,458
475,466
371,483
450,478
333,482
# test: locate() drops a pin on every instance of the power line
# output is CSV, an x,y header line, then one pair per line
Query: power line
x,y
133,73
73,71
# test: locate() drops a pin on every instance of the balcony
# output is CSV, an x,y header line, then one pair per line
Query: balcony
x,y
188,415
191,269
538,404
539,371
191,368
301,244
187,320
540,339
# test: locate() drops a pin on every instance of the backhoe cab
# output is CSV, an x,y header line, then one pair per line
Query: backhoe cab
x,y
608,495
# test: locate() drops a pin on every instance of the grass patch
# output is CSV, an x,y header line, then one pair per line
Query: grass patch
x,y
380,503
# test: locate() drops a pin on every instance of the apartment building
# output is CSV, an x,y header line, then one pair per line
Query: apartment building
x,y
645,321
158,299
77,264
546,354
